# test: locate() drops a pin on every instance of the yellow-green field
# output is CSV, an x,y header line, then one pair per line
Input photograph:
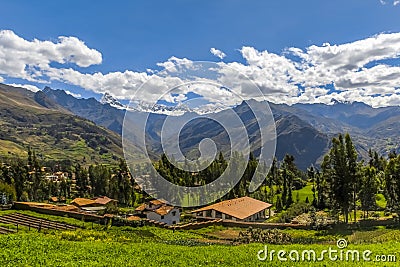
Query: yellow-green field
x,y
149,246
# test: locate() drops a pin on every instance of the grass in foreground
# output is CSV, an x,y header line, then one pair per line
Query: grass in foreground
x,y
33,249
150,246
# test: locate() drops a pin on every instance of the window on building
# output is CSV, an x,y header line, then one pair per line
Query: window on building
x,y
173,222
174,213
162,217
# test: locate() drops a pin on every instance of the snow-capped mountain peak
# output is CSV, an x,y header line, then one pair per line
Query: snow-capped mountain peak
x,y
143,106
109,99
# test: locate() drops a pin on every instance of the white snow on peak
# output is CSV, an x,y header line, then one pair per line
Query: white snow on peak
x,y
142,106
109,99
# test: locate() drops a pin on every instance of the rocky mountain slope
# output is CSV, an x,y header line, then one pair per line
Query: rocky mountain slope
x,y
303,130
33,119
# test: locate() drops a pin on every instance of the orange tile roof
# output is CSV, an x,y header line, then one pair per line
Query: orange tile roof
x,y
158,201
67,208
54,199
142,207
164,210
104,200
81,202
133,218
51,206
240,208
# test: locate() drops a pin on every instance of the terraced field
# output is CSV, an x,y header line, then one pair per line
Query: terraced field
x,y
4,230
33,222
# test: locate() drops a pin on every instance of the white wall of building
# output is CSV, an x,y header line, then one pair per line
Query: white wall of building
x,y
261,215
173,217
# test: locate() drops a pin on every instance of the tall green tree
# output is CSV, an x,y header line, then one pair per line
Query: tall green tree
x,y
392,183
124,184
353,170
312,178
99,176
82,181
368,190
290,173
342,168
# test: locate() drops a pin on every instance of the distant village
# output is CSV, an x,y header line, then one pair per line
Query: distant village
x,y
103,193
244,209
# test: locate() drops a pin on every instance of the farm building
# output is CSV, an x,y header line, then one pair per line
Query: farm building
x,y
94,205
245,209
160,211
57,199
84,202
105,201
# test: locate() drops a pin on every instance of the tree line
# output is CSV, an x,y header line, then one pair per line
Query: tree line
x,y
25,180
342,184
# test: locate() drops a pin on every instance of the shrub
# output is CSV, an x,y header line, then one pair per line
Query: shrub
x,y
295,210
376,215
8,191
269,236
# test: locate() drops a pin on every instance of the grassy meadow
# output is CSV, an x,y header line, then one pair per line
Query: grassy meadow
x,y
150,246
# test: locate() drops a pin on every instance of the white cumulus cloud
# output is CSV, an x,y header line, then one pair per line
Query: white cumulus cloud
x,y
73,94
28,59
365,70
217,53
30,87
395,2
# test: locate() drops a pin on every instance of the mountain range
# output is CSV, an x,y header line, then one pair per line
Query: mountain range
x,y
303,130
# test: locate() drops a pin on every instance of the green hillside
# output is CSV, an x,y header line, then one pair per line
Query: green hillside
x,y
50,130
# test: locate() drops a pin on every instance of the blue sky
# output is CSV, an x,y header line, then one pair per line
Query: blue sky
x,y
136,35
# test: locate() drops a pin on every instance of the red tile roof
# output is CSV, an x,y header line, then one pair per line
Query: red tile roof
x,y
82,202
142,207
54,199
164,210
240,208
133,218
157,202
104,200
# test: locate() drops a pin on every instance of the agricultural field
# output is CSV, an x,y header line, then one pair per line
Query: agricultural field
x,y
212,246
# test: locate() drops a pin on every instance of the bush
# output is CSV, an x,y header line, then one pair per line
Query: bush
x,y
376,215
293,211
269,236
8,191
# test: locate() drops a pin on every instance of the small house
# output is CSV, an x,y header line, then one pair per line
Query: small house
x,y
159,210
105,201
244,209
94,205
84,202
